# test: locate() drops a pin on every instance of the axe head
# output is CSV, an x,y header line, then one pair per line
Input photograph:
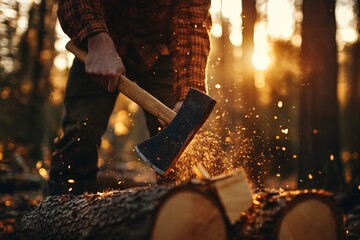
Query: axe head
x,y
163,150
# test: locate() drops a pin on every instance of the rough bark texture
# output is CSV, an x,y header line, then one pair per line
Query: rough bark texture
x,y
79,217
127,214
263,219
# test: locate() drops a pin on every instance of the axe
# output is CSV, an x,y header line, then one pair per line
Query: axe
x,y
164,149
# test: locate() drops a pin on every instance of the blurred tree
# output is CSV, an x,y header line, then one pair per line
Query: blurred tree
x,y
281,124
351,113
25,87
247,112
319,161
247,86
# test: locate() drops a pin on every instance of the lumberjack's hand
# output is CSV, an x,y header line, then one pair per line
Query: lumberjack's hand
x,y
103,62
176,109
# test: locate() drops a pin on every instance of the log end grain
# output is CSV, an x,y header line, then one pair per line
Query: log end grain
x,y
189,215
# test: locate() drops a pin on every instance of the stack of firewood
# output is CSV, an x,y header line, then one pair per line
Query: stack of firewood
x,y
216,208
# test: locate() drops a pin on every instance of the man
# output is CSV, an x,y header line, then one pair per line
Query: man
x,y
163,45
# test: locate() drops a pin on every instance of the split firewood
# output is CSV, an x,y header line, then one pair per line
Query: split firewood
x,y
291,215
233,193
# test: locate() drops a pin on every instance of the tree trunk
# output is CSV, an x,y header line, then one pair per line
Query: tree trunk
x,y
293,215
351,112
199,209
319,160
141,213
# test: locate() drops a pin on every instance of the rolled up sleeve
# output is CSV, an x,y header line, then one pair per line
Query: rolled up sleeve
x,y
81,18
190,44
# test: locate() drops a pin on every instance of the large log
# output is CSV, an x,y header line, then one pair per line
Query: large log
x,y
291,215
158,212
199,209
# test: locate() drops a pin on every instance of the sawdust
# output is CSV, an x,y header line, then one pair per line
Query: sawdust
x,y
214,152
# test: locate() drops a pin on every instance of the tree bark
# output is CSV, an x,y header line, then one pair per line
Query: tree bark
x,y
292,215
199,209
141,213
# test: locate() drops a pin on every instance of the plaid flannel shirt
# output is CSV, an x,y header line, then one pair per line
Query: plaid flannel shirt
x,y
151,27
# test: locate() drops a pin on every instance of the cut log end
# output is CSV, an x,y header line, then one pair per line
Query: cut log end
x,y
291,215
312,219
196,216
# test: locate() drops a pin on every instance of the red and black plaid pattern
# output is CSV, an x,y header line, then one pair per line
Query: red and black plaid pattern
x,y
151,27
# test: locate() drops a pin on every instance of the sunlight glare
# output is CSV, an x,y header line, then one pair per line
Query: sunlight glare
x,y
227,8
236,38
60,62
281,22
216,30
215,7
346,22
260,58
348,34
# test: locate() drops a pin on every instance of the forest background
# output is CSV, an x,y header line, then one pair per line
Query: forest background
x,y
285,74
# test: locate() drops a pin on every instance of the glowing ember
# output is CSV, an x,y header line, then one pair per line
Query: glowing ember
x,y
44,173
8,203
201,172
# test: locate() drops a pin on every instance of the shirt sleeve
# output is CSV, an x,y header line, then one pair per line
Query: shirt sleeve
x,y
190,44
81,18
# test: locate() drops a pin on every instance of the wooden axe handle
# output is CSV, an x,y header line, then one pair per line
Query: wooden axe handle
x,y
133,91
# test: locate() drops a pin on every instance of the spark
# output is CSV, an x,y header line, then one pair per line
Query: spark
x,y
38,164
285,131
332,157
310,176
44,173
71,181
8,203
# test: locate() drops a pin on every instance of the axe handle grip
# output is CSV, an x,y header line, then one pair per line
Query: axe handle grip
x,y
133,91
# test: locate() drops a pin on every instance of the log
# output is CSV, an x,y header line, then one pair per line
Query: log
x,y
158,212
291,215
